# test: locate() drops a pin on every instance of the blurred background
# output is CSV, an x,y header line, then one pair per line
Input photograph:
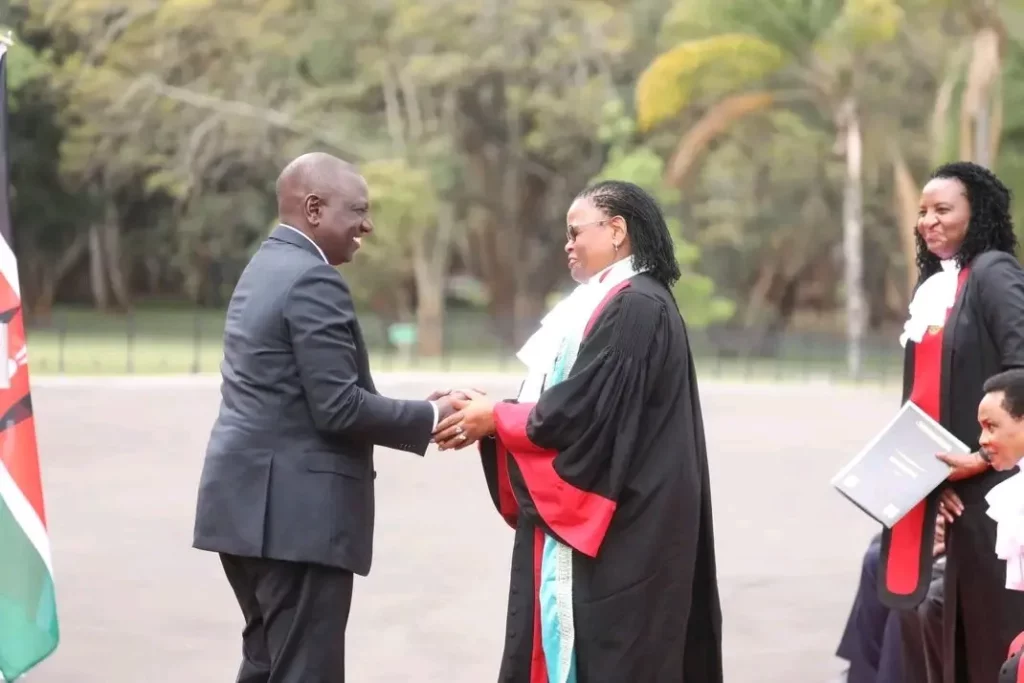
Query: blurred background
x,y
787,139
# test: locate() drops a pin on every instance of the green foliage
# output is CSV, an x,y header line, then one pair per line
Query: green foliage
x,y
24,68
475,124
709,67
695,293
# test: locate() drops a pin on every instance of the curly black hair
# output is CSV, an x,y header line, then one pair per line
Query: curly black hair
x,y
653,249
990,227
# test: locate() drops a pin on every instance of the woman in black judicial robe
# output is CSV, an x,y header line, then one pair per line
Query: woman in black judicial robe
x,y
965,223
610,462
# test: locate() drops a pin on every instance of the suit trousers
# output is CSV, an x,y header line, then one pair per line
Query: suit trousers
x,y
871,640
295,619
921,629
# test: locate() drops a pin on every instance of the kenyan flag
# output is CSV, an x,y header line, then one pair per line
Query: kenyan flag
x,y
28,610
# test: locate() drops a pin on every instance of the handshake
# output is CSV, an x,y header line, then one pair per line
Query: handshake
x,y
463,418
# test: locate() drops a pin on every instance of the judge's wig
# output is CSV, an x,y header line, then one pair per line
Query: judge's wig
x,y
990,227
653,249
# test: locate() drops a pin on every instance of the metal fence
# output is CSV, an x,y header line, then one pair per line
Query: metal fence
x,y
81,342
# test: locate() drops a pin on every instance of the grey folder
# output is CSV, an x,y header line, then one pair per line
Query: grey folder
x,y
898,468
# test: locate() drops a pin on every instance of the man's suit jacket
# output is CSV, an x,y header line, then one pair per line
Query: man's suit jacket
x,y
288,473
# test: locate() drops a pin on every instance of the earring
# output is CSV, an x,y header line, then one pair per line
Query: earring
x,y
615,245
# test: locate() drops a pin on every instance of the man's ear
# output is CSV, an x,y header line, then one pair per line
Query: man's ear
x,y
312,206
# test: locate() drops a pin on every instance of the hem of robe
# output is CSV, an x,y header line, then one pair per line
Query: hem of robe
x,y
906,552
579,518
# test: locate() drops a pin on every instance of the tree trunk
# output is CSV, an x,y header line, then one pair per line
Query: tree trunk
x,y
853,235
110,234
979,127
97,266
529,306
906,218
51,276
431,256
429,305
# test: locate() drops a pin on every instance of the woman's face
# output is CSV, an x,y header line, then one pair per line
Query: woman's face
x,y
591,237
1002,435
943,216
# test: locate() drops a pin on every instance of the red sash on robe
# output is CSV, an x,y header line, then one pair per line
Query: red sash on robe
x,y
904,579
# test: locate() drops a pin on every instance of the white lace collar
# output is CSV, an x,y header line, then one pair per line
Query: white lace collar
x,y
567,320
1006,507
931,302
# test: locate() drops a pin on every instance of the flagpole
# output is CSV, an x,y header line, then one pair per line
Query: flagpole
x,y
6,41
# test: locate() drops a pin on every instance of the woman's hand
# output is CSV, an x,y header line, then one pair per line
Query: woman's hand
x,y
964,466
939,546
472,421
950,505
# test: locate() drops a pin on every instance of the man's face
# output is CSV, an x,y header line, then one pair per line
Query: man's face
x,y
1002,435
341,218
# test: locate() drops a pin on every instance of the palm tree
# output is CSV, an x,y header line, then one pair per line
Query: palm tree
x,y
738,58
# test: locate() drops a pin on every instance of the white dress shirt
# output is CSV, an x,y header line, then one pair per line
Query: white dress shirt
x,y
307,237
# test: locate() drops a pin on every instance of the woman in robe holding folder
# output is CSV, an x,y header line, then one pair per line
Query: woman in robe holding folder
x,y
602,469
966,323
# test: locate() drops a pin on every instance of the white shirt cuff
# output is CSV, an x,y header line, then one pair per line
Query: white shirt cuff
x,y
434,406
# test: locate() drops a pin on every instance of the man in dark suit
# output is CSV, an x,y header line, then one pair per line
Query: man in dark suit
x,y
286,493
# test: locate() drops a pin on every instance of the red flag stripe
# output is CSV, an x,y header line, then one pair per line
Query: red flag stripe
x,y
18,454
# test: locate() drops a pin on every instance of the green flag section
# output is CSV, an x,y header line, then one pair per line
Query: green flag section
x,y
28,610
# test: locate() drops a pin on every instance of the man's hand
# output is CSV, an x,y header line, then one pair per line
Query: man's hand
x,y
473,421
950,506
445,407
439,394
964,466
454,393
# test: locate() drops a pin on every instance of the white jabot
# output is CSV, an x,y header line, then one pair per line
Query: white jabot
x,y
931,302
1006,507
306,237
568,319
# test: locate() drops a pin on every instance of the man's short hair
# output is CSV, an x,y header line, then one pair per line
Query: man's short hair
x,y
1010,383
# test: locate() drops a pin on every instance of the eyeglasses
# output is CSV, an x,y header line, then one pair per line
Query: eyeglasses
x,y
573,231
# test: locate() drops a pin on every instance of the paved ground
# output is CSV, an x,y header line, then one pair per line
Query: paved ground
x,y
137,605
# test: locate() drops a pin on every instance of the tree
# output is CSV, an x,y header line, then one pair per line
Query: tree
x,y
741,57
636,163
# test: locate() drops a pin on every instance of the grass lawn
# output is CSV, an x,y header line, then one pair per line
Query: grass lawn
x,y
176,341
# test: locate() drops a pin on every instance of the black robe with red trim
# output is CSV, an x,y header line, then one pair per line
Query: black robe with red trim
x,y
612,462
983,335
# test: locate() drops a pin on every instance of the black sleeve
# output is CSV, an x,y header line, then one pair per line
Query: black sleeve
x,y
596,409
1001,293
572,450
495,463
320,314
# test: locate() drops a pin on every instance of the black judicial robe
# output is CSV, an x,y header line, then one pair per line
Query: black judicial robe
x,y
983,335
612,462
